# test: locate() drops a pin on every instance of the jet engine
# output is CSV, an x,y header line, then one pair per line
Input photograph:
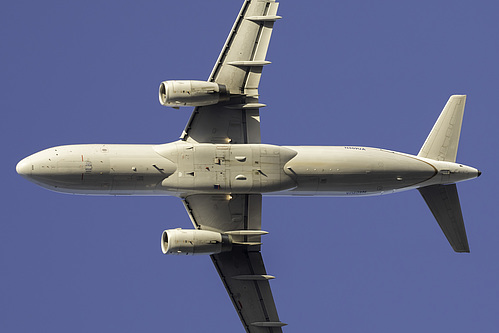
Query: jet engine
x,y
181,241
192,93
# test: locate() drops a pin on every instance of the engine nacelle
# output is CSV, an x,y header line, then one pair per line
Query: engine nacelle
x,y
192,241
191,93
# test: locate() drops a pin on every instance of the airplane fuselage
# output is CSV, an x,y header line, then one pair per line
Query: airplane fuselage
x,y
181,168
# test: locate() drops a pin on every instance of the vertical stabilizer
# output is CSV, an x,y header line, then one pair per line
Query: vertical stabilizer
x,y
443,140
443,201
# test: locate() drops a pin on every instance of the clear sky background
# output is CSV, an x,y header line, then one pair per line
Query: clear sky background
x,y
371,73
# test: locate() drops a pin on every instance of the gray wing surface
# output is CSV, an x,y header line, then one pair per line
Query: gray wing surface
x,y
242,270
443,201
238,67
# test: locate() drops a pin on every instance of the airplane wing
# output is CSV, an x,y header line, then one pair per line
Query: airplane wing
x,y
242,270
238,67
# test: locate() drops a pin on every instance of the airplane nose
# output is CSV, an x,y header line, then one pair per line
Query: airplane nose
x,y
24,167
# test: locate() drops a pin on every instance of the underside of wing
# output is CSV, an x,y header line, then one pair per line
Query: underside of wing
x,y
239,68
239,65
221,124
241,270
243,275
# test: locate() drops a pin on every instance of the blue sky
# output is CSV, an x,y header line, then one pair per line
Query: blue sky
x,y
343,73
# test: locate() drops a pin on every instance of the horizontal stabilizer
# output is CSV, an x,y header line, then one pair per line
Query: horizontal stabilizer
x,y
443,140
443,201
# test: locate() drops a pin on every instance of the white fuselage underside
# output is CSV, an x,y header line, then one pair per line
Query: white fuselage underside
x,y
181,169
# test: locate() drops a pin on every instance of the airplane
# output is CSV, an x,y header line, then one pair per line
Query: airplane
x,y
220,169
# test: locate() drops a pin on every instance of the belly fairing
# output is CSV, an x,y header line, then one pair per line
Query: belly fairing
x,y
225,168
